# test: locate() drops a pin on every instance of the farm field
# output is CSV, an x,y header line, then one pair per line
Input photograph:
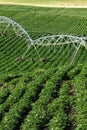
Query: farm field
x,y
38,95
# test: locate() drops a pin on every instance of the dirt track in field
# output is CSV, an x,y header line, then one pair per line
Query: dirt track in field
x,y
48,5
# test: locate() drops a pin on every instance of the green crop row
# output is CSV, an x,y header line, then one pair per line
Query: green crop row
x,y
75,71
8,83
56,109
14,97
80,83
37,117
16,111
4,95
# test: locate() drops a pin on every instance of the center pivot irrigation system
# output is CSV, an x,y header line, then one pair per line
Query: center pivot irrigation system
x,y
53,40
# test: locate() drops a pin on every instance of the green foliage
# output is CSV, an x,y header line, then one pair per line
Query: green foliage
x,y
75,71
81,104
36,95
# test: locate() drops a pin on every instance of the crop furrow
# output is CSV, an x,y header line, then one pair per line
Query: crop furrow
x,y
36,118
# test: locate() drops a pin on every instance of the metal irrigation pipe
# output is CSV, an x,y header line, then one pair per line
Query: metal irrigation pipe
x,y
52,40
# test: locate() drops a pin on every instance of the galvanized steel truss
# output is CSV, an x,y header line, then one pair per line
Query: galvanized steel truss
x,y
53,40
